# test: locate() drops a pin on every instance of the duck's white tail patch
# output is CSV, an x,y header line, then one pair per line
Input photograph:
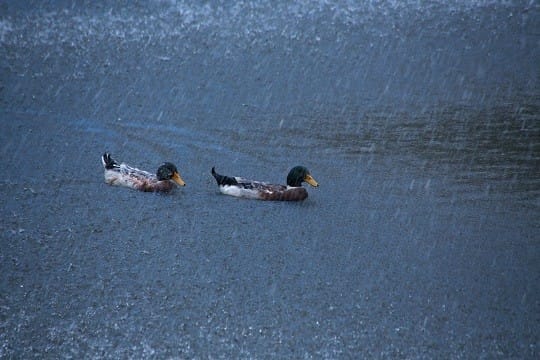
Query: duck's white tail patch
x,y
239,192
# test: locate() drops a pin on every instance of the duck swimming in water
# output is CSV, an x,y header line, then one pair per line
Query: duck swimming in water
x,y
293,191
124,175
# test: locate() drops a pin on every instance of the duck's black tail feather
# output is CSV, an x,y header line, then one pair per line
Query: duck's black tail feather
x,y
222,179
108,161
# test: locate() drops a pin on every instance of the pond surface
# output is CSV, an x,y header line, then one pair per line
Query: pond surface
x,y
421,123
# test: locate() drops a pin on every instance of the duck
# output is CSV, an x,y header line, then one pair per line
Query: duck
x,y
124,175
251,189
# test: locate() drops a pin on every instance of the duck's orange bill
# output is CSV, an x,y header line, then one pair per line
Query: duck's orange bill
x,y
177,179
311,181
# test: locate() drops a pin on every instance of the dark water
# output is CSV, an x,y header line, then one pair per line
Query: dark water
x,y
421,122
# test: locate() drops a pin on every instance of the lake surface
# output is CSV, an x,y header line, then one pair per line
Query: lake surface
x,y
420,121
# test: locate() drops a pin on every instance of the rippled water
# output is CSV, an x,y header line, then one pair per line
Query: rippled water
x,y
420,120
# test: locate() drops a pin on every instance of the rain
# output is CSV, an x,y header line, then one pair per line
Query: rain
x,y
419,120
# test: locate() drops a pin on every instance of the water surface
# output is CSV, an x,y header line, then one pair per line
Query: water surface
x,y
419,121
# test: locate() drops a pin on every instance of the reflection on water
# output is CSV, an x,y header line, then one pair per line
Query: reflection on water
x,y
480,151
496,149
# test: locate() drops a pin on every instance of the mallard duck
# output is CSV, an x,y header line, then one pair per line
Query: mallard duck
x,y
125,175
293,191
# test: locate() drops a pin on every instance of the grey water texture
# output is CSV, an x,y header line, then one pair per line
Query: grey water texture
x,y
419,119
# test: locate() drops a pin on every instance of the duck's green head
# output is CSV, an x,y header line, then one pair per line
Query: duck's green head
x,y
168,171
299,174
